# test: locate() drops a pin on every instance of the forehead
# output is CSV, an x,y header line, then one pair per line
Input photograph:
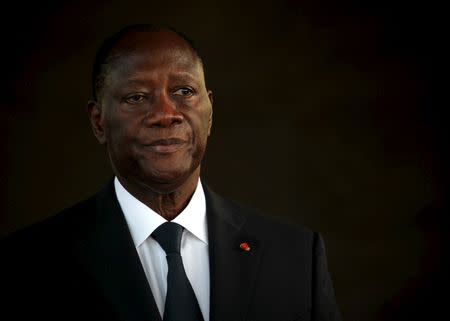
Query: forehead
x,y
147,51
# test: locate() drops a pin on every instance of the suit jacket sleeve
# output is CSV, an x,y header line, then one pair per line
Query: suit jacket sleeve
x,y
324,303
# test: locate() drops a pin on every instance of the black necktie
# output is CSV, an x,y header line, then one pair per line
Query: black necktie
x,y
181,303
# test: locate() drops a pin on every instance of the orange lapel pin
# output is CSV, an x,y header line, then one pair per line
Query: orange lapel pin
x,y
244,246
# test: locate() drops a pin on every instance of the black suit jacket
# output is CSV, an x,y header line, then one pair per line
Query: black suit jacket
x,y
82,265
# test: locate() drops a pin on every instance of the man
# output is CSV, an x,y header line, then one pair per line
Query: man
x,y
108,257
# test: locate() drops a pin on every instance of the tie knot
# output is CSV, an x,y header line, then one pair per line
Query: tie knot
x,y
168,235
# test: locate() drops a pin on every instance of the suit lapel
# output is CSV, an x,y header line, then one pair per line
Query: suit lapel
x,y
109,255
233,270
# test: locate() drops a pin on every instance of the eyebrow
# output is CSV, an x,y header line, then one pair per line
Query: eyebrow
x,y
182,76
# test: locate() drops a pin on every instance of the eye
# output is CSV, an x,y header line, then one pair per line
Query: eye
x,y
184,91
135,98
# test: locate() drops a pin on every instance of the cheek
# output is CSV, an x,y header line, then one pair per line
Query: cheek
x,y
202,133
120,124
119,135
204,118
207,123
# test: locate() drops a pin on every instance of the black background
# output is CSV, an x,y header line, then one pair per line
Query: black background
x,y
325,113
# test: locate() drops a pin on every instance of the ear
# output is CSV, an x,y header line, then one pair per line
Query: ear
x,y
96,117
211,99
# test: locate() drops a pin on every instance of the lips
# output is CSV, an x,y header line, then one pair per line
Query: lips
x,y
166,146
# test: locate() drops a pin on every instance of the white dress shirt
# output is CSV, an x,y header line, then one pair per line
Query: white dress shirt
x,y
142,221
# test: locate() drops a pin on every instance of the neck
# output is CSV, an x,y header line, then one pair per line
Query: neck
x,y
168,204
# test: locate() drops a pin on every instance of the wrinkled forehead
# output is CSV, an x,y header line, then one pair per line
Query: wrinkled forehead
x,y
155,46
146,51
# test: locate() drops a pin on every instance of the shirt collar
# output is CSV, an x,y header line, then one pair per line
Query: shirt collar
x,y
142,220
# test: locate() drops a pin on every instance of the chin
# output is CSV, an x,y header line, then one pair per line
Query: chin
x,y
166,181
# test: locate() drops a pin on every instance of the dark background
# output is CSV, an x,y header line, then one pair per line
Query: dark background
x,y
325,113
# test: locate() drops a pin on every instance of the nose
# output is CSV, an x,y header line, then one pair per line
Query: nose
x,y
163,112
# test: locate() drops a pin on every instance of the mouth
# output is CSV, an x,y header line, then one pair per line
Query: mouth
x,y
166,146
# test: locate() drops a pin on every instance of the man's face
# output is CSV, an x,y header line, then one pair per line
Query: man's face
x,y
154,113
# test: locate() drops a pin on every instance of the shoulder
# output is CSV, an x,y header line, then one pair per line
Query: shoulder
x,y
52,230
274,226
69,222
269,226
